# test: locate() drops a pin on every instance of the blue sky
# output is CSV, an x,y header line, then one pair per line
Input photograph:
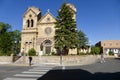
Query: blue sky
x,y
98,19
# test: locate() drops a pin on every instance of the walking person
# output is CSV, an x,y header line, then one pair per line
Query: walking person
x,y
30,60
102,58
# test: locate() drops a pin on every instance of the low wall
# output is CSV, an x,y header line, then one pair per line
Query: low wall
x,y
5,59
66,60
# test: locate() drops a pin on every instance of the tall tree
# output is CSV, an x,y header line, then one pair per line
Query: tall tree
x,y
82,40
65,33
16,40
5,38
4,28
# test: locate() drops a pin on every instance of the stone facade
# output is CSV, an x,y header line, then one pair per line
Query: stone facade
x,y
106,46
38,31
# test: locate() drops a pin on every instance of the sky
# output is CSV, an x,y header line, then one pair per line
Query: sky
x,y
98,19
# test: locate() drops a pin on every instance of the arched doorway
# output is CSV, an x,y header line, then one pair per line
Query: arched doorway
x,y
46,47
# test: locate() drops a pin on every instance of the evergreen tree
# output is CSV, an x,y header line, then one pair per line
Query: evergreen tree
x,y
5,39
82,40
8,38
65,33
16,35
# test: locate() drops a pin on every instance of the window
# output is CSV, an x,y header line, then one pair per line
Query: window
x,y
30,42
48,19
104,44
26,42
48,43
30,15
110,44
28,23
48,30
116,44
32,23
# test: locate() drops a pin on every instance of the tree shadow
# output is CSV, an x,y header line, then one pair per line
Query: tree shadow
x,y
78,74
107,76
118,58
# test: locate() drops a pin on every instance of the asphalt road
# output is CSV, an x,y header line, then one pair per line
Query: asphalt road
x,y
110,70
7,71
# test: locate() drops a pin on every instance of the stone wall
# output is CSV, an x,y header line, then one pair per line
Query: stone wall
x,y
66,60
5,59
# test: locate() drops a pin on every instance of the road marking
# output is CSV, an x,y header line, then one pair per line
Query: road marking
x,y
27,75
20,79
42,68
38,70
33,72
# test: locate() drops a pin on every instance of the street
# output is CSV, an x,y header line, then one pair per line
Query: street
x,y
110,70
7,71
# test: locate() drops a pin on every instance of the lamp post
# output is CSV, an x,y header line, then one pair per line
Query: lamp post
x,y
33,41
16,46
61,56
63,67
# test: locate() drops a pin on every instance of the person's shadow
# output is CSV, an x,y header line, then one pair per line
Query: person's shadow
x,y
78,74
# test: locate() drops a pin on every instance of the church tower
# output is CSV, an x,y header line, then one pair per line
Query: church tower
x,y
73,9
29,29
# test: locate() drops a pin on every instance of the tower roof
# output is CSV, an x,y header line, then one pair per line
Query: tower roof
x,y
35,9
71,6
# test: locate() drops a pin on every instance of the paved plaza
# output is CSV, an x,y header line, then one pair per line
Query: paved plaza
x,y
110,70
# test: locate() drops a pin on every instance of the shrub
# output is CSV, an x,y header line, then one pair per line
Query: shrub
x,y
53,53
95,50
32,52
111,52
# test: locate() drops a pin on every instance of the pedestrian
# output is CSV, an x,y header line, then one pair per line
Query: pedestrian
x,y
102,58
30,60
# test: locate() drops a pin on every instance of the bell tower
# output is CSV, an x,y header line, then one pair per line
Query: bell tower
x,y
29,29
30,18
73,9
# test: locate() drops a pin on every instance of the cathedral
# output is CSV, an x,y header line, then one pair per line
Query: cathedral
x,y
38,31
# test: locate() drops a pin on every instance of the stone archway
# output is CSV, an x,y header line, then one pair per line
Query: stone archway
x,y
46,46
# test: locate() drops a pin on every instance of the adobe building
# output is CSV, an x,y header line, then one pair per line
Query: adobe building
x,y
38,31
109,45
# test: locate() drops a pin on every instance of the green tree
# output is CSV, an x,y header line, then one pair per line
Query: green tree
x,y
5,39
111,52
95,50
65,33
16,35
4,28
32,52
82,40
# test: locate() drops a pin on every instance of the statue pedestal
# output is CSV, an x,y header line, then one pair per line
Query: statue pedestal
x,y
41,53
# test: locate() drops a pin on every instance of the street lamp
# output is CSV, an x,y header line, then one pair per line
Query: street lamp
x,y
33,41
63,67
16,46
61,56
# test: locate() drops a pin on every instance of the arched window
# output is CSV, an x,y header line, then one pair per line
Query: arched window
x,y
32,23
48,43
28,23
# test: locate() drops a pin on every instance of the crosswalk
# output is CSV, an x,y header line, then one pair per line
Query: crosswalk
x,y
31,74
